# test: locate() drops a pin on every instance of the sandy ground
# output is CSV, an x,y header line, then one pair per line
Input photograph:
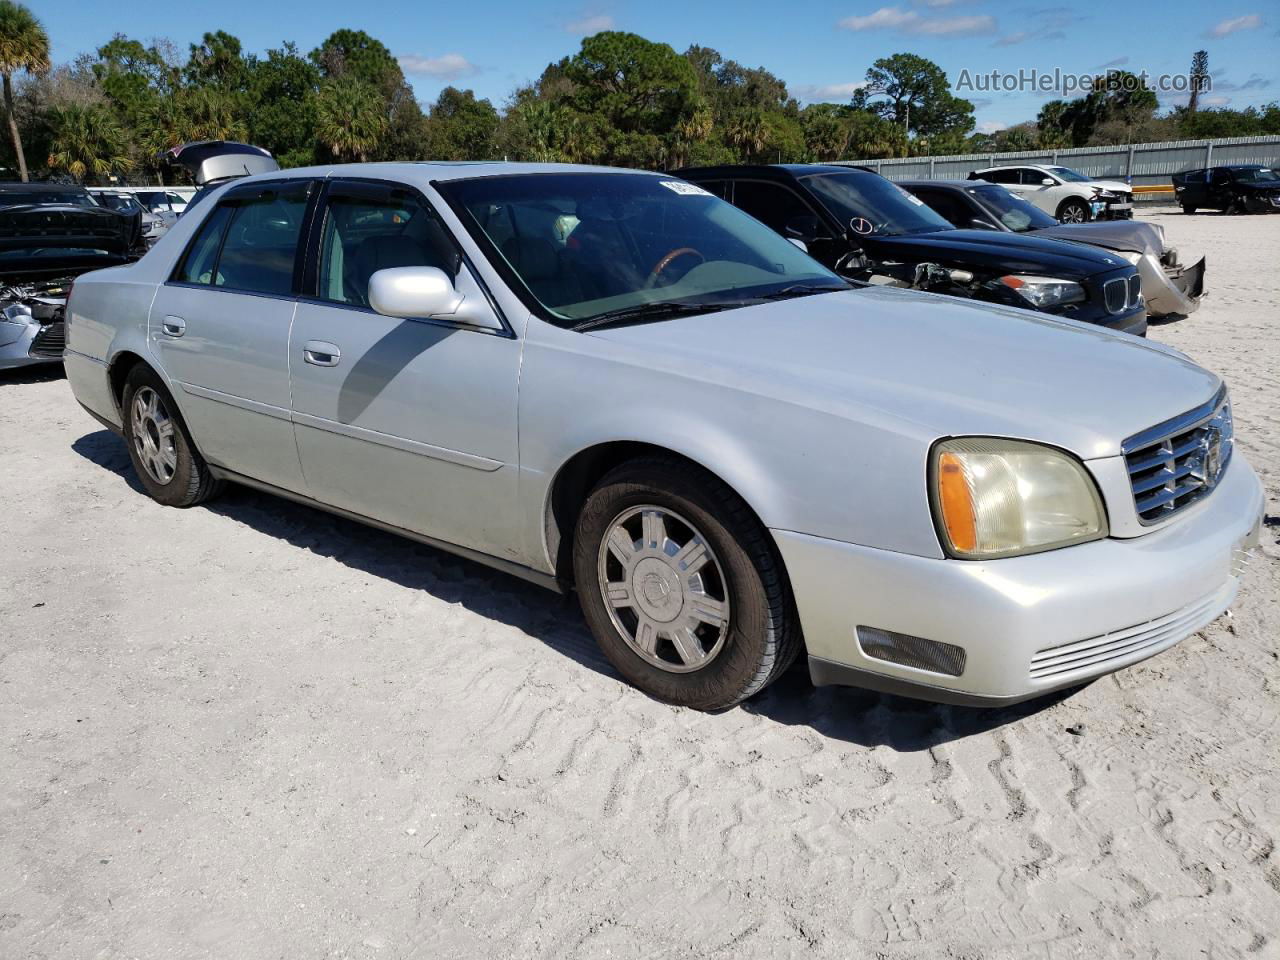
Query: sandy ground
x,y
251,730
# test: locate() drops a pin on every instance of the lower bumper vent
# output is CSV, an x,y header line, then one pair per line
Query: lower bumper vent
x,y
908,651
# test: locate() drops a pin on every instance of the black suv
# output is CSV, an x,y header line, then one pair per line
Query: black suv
x,y
1244,188
867,228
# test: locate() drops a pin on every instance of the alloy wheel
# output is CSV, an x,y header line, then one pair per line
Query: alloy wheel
x,y
154,435
664,588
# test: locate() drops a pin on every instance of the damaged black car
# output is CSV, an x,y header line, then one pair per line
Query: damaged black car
x,y
49,235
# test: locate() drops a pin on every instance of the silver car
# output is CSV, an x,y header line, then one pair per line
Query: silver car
x,y
617,382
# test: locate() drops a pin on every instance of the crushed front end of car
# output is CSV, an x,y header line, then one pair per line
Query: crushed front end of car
x,y
43,248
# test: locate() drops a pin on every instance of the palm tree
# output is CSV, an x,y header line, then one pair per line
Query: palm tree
x,y
23,46
351,117
749,132
88,142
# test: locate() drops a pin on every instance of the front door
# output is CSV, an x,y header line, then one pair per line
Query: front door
x,y
409,422
220,328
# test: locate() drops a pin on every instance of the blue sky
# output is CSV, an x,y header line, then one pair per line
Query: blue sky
x,y
822,48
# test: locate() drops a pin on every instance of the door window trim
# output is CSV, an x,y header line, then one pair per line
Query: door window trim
x,y
236,194
309,278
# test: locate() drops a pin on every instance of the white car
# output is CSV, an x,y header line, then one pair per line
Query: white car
x,y
619,382
1061,192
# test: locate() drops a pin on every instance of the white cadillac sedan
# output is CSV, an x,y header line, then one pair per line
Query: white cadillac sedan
x,y
616,382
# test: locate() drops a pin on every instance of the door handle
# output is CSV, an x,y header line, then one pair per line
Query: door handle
x,y
321,354
174,326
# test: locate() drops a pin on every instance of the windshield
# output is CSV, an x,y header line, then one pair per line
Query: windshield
x,y
1066,173
590,244
1255,175
1013,211
153,200
21,198
872,205
118,201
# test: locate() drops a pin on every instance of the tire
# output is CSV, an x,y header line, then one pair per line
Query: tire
x,y
758,636
1188,208
165,460
1073,211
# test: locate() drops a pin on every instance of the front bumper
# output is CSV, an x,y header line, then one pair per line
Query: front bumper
x,y
24,344
1028,625
1170,290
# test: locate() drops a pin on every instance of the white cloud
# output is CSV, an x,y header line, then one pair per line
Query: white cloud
x,y
820,93
1214,101
1112,64
1250,21
593,23
908,21
1012,39
991,126
450,66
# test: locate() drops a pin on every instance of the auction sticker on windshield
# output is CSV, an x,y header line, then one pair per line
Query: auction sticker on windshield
x,y
685,189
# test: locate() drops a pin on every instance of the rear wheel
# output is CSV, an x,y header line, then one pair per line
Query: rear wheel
x,y
1073,211
682,586
163,457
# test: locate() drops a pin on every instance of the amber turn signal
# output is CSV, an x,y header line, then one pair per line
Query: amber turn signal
x,y
957,504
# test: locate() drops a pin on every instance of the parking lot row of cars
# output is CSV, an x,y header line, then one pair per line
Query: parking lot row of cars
x,y
707,401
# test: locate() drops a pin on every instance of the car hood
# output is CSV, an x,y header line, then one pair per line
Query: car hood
x,y
932,366
1128,235
1007,252
1266,186
38,241
1115,186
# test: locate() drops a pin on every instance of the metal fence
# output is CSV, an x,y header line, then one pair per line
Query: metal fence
x,y
1143,164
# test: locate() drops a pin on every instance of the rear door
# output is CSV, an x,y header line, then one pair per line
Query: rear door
x,y
220,328
409,422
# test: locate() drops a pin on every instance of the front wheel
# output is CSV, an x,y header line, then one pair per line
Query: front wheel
x,y
1073,211
682,586
163,456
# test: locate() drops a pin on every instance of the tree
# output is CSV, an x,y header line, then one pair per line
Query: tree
x,y
355,53
218,61
24,46
1199,78
917,96
282,91
460,127
88,142
636,91
350,121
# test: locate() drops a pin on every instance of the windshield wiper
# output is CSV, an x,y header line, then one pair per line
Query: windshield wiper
x,y
662,310
803,290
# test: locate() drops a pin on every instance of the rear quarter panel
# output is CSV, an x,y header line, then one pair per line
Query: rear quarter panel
x,y
109,314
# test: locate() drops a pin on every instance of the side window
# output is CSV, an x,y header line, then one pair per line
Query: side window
x,y
770,203
1195,176
262,239
364,234
1001,176
953,209
202,256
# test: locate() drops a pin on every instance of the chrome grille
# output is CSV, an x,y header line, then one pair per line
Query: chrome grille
x,y
50,341
1122,293
1175,463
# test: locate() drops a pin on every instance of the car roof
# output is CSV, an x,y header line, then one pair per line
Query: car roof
x,y
16,186
949,184
779,171
424,172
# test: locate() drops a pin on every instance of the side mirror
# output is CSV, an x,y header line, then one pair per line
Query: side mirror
x,y
420,293
1047,182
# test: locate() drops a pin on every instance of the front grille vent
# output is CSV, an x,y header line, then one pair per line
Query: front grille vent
x,y
1175,463
1122,293
50,341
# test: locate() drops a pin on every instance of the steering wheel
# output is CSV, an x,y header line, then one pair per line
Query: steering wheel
x,y
666,261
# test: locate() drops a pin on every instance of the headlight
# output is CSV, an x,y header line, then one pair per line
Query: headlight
x,y
1044,291
1106,195
999,498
